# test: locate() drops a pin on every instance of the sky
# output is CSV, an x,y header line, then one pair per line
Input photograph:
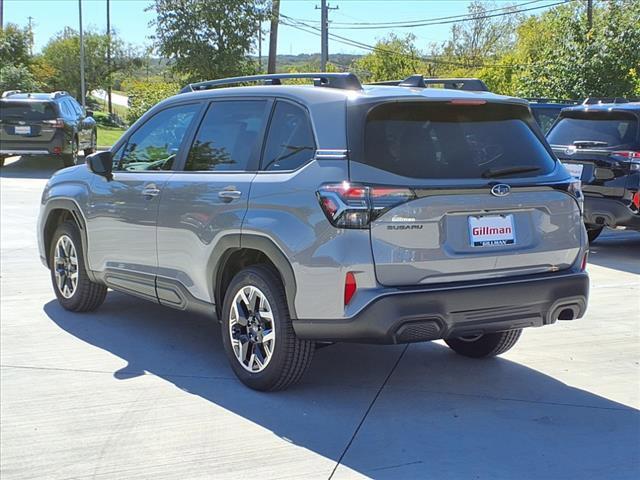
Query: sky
x,y
131,21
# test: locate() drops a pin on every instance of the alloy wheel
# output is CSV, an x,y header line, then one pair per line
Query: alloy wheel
x,y
66,266
252,329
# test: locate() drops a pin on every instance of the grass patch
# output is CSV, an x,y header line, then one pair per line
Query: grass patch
x,y
107,136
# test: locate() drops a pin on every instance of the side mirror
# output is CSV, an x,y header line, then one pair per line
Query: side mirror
x,y
101,163
89,113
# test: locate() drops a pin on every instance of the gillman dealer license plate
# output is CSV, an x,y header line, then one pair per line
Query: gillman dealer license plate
x,y
492,230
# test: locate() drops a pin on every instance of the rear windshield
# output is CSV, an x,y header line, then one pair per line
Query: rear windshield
x,y
27,111
545,116
437,140
612,132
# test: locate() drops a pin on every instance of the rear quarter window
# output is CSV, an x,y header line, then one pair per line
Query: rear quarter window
x,y
436,140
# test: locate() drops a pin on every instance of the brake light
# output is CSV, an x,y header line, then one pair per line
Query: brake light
x,y
630,156
355,206
57,123
585,258
635,200
575,189
467,101
350,287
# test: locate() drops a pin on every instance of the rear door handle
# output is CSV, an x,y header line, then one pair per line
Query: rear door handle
x,y
150,191
229,194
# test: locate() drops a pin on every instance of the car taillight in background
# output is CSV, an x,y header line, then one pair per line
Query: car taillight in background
x,y
349,205
575,189
630,156
57,123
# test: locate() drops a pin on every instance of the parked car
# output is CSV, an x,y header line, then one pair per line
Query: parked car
x,y
600,145
326,213
52,124
546,110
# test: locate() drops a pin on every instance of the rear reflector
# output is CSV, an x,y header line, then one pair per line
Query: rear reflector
x,y
636,200
349,287
57,150
583,266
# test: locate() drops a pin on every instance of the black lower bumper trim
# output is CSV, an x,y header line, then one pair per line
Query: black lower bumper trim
x,y
403,316
609,212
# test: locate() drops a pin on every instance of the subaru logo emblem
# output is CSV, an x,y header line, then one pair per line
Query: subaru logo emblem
x,y
501,190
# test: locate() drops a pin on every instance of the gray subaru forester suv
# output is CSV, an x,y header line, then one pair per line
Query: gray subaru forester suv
x,y
332,212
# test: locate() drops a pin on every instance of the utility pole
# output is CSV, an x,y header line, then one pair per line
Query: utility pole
x,y
1,14
260,46
324,35
590,13
109,60
30,27
82,92
273,36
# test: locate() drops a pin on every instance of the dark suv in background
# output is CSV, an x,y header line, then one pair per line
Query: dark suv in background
x,y
600,145
52,124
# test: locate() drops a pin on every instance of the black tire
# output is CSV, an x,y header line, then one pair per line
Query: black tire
x,y
69,159
87,295
92,148
593,232
488,345
290,356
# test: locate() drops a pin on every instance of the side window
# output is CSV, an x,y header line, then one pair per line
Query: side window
x,y
66,111
228,136
75,106
155,145
290,142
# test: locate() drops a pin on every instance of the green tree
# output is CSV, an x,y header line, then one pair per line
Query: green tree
x,y
60,60
17,77
14,45
144,95
393,58
208,40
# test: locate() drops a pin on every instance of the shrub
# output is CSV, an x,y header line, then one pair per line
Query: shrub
x,y
144,95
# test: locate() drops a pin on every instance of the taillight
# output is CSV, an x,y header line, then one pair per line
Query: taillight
x,y
629,156
349,205
635,200
57,123
585,258
350,287
575,189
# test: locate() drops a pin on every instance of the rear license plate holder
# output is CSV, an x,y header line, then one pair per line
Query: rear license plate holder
x,y
491,230
22,130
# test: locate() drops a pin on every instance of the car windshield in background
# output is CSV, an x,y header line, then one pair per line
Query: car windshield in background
x,y
603,131
421,140
27,111
545,116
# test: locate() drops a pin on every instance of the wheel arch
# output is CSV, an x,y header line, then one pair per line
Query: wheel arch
x,y
56,212
250,250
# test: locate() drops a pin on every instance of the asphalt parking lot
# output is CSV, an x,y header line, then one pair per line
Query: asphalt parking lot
x,y
136,390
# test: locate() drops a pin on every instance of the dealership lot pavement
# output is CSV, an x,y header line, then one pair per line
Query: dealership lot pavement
x,y
136,390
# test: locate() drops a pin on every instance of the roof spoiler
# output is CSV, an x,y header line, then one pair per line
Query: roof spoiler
x,y
345,81
418,81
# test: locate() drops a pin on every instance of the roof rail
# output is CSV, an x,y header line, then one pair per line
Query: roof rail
x,y
597,100
346,81
472,84
59,93
8,93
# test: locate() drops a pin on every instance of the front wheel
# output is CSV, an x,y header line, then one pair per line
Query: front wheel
x,y
257,333
75,291
487,345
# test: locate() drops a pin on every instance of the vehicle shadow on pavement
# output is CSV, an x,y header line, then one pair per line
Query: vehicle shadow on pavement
x,y
618,250
438,416
31,167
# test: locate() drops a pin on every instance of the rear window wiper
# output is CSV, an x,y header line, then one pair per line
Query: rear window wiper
x,y
590,143
503,172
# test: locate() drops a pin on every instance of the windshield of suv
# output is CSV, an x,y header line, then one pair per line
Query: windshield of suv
x,y
603,131
436,140
28,111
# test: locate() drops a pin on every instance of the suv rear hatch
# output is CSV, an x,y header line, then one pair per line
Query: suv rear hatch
x,y
27,121
597,147
429,170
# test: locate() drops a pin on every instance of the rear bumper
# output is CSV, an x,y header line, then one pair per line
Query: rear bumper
x,y
55,146
404,316
609,212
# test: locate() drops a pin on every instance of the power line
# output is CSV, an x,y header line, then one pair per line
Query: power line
x,y
465,18
402,22
354,43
